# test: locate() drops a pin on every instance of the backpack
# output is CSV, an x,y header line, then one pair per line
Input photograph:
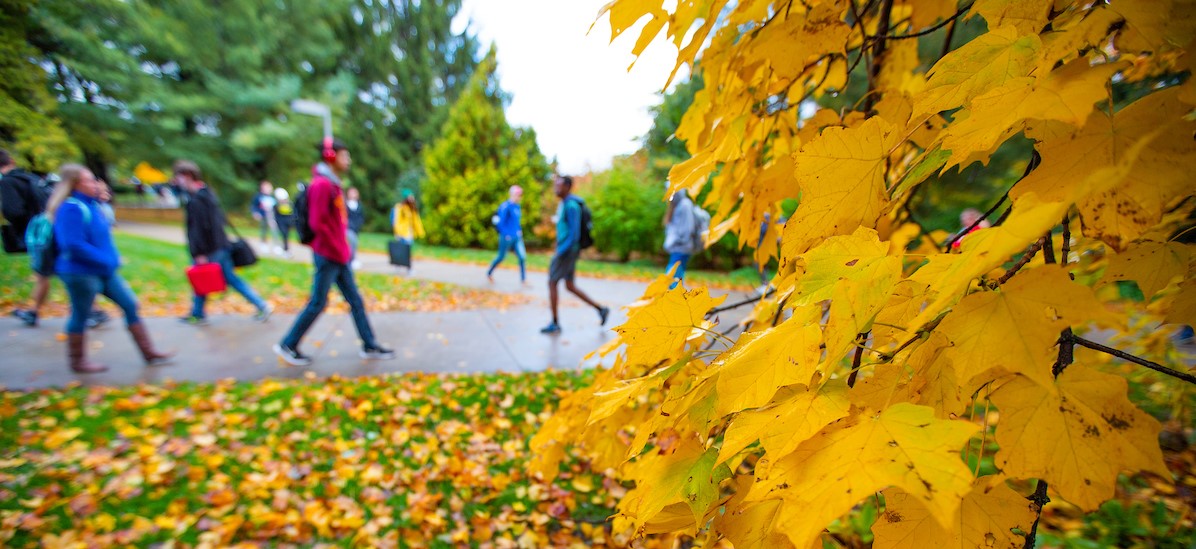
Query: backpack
x,y
586,238
39,239
303,219
701,228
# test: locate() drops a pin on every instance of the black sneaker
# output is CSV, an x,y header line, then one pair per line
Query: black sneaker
x,y
603,312
96,319
291,355
28,317
377,352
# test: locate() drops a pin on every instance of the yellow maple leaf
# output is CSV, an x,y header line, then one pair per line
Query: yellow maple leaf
x,y
1077,434
1068,36
987,518
1026,17
687,474
789,43
978,66
947,275
750,524
750,372
658,331
1153,265
1183,305
859,257
790,419
1068,94
1015,328
903,445
1155,25
842,179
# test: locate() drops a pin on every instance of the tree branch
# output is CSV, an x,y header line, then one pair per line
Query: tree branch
x,y
747,301
1029,255
1131,358
1035,160
1040,499
951,19
858,358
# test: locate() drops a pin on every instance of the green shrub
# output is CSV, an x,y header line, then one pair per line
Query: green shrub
x,y
628,210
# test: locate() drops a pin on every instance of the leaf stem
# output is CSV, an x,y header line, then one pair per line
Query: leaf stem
x,y
1035,160
859,355
1131,358
938,26
1029,255
737,305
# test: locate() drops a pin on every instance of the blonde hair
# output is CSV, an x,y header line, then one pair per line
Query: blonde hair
x,y
69,176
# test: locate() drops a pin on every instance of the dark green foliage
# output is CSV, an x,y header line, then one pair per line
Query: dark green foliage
x,y
476,159
28,128
628,205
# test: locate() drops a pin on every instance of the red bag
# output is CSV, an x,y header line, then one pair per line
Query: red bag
x,y
206,279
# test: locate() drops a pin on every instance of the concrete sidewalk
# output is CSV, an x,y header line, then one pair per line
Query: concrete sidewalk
x,y
236,347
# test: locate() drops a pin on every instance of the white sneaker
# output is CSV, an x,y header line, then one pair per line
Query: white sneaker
x,y
355,264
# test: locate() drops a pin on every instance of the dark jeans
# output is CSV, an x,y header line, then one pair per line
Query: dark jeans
x,y
515,244
225,259
83,290
680,260
327,273
284,231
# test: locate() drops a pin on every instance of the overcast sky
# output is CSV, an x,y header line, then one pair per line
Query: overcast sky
x,y
573,88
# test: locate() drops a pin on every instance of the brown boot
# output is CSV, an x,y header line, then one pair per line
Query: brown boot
x,y
76,352
152,356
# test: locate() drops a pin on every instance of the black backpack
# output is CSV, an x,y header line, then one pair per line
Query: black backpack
x,y
303,219
586,238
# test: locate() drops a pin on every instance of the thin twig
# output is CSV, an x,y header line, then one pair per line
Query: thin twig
x,y
984,438
1067,244
1040,499
1131,358
1035,160
747,301
931,29
1026,258
780,309
859,356
947,39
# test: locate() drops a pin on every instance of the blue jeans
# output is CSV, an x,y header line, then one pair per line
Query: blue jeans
x,y
513,243
225,259
680,260
83,289
327,273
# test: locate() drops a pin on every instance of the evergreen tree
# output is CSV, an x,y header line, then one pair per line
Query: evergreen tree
x,y
476,159
407,67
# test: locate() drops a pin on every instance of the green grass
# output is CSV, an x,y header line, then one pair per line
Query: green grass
x,y
638,269
155,270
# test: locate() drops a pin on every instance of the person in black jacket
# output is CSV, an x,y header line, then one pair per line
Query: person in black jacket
x,y
22,196
207,242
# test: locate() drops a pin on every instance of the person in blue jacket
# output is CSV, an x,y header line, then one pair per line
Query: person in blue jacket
x,y
508,221
568,249
87,262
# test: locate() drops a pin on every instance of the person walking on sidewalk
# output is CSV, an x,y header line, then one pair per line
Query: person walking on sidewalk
x,y
23,195
404,218
87,263
207,242
568,248
330,253
262,209
356,214
284,216
679,228
508,221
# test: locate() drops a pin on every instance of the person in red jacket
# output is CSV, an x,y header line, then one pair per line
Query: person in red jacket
x,y
330,251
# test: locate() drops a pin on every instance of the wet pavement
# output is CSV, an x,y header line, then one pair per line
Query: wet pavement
x,y
232,346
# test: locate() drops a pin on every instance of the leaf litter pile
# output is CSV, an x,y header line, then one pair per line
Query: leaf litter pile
x,y
413,460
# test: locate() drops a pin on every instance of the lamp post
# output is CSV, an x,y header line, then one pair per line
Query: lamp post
x,y
315,108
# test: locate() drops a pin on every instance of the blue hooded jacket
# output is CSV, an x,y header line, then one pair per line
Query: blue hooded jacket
x,y
84,248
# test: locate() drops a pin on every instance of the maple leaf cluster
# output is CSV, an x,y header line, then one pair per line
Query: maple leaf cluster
x,y
869,370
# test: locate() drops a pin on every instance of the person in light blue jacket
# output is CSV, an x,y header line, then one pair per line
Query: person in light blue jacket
x,y
508,221
87,262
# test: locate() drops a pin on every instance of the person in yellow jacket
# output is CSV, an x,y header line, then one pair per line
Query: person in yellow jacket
x,y
405,219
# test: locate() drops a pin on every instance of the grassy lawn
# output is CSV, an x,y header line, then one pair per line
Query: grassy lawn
x,y
154,269
641,269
